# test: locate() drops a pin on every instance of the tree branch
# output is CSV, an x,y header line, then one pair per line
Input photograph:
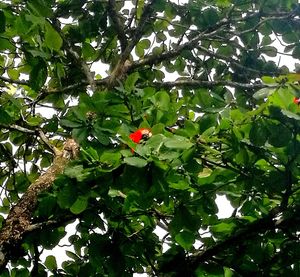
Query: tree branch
x,y
20,216
18,128
115,17
10,81
199,83
69,49
251,230
124,64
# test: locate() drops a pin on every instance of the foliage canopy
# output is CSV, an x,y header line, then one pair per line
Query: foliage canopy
x,y
225,124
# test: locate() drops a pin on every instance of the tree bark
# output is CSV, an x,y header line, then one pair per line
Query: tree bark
x,y
19,218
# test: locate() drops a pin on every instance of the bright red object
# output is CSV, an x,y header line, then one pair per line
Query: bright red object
x,y
140,134
297,100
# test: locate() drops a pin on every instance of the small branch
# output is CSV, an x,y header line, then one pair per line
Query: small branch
x,y
77,59
10,81
163,226
249,231
194,43
18,128
266,19
199,83
115,17
51,223
39,132
40,225
44,93
124,63
156,59
47,142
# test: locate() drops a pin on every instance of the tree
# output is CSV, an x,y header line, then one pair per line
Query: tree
x,y
225,125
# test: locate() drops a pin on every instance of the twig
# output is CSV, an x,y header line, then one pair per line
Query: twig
x,y
199,83
249,231
124,64
47,142
112,11
11,81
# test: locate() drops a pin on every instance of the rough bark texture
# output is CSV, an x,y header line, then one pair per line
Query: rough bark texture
x,y
19,218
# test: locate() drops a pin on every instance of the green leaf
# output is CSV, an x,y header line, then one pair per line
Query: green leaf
x,y
155,142
52,39
268,80
180,185
290,114
140,8
177,142
131,80
185,239
50,262
46,206
135,161
223,228
13,73
270,51
296,52
162,100
66,196
279,135
141,46
88,52
73,171
5,118
80,134
40,7
77,172
100,135
38,74
34,121
71,124
263,93
5,44
258,134
79,205
111,158
223,3
72,255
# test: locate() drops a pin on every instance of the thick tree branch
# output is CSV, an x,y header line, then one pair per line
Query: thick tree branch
x,y
20,216
124,64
